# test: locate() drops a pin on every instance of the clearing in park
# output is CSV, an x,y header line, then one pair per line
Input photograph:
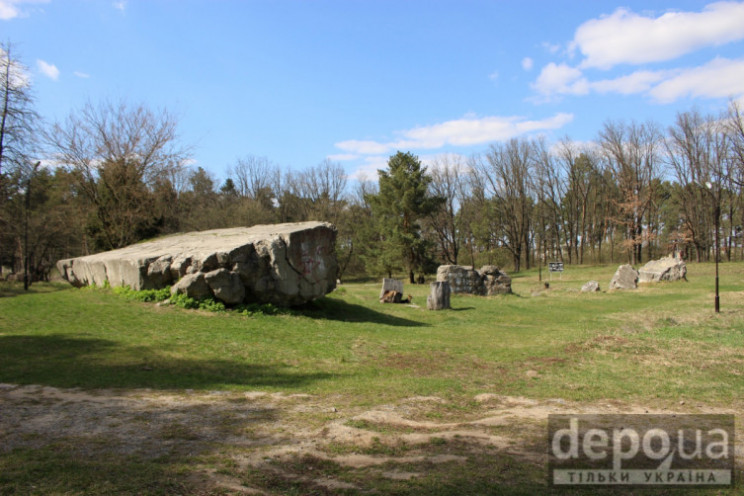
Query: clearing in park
x,y
104,394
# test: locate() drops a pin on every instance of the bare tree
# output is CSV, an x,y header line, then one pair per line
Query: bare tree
x,y
118,153
550,186
447,181
18,119
324,186
632,152
579,166
255,176
506,173
735,130
735,124
698,148
17,124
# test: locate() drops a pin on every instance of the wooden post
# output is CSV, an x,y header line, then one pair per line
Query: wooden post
x,y
439,296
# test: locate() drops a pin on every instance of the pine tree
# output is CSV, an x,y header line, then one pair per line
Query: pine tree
x,y
403,200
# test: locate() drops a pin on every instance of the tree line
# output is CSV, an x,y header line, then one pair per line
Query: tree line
x,y
112,174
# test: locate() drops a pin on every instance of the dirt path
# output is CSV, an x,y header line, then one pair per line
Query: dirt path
x,y
246,434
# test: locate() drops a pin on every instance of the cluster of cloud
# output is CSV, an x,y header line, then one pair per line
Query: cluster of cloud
x,y
49,70
52,72
628,38
367,171
460,132
10,9
625,42
625,38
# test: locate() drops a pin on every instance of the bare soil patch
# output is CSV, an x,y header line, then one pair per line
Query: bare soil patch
x,y
252,443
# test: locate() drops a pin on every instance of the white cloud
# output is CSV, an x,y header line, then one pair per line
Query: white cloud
x,y
460,132
527,63
440,161
560,79
121,5
720,78
494,76
363,147
625,37
637,82
557,147
10,9
551,48
342,157
81,75
473,131
49,70
368,170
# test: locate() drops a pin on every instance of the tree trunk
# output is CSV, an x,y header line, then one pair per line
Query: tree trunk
x,y
439,296
516,258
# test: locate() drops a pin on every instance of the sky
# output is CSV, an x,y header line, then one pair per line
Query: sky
x,y
354,81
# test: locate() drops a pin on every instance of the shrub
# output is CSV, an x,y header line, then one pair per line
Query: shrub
x,y
256,309
146,295
209,304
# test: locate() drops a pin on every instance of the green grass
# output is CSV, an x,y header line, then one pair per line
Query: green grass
x,y
581,346
656,346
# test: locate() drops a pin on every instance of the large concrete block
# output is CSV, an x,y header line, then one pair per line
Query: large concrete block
x,y
284,264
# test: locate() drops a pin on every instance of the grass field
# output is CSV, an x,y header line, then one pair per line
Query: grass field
x,y
450,402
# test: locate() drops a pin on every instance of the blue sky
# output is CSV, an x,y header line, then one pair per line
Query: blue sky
x,y
355,80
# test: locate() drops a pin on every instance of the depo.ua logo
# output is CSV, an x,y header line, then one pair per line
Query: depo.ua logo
x,y
687,450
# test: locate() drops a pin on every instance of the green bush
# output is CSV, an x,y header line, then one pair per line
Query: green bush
x,y
183,301
146,295
209,304
256,309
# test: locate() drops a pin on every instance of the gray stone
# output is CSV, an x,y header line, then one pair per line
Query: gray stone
x,y
390,285
489,280
439,296
461,279
494,280
226,286
283,264
159,273
590,287
668,268
626,277
193,286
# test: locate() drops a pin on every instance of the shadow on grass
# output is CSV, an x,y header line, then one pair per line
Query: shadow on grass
x,y
62,361
59,443
8,289
333,309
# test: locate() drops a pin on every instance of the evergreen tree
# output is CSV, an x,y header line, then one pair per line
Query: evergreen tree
x,y
403,200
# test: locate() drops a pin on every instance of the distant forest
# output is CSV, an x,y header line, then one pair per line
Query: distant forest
x,y
112,174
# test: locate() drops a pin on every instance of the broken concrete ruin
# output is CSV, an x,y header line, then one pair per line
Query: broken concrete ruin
x,y
487,281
